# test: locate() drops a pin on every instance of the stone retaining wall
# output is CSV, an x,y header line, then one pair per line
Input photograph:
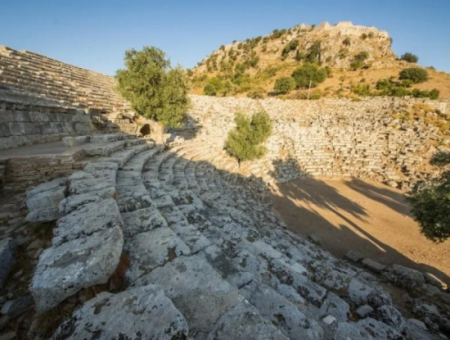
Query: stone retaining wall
x,y
27,171
333,137
25,124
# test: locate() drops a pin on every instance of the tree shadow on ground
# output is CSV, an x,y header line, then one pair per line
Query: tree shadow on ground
x,y
394,200
310,206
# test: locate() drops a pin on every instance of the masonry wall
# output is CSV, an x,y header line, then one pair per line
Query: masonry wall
x,y
333,137
25,124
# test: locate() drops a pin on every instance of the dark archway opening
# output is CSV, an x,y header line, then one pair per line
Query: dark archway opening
x,y
145,130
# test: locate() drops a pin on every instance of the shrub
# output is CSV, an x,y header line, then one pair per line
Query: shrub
x,y
210,90
410,58
154,89
291,46
244,142
347,42
314,53
284,85
309,73
431,203
363,36
359,60
362,90
415,74
257,93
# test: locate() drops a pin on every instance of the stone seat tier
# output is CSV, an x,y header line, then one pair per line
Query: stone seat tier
x,y
207,247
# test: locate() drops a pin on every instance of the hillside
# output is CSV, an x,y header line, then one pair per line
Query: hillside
x,y
351,55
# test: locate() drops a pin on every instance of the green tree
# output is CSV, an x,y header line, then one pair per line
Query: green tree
x,y
415,74
309,73
431,202
154,89
410,58
284,85
245,141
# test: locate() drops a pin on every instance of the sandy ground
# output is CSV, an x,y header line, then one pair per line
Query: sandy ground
x,y
362,215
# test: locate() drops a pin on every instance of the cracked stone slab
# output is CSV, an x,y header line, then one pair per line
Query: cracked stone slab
x,y
43,201
139,313
82,182
243,322
80,263
196,289
281,313
87,221
74,202
133,198
142,220
153,249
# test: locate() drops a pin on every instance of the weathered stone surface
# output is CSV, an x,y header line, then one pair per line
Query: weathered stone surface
x,y
43,201
7,258
364,310
75,141
141,221
372,265
335,306
78,263
15,307
244,322
153,249
86,221
282,313
354,256
196,290
406,277
139,313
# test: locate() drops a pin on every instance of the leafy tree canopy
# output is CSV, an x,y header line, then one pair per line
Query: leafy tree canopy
x,y
431,202
154,89
245,141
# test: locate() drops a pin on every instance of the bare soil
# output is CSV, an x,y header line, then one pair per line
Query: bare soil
x,y
362,215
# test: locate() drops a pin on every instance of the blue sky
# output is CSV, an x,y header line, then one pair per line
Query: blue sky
x,y
94,34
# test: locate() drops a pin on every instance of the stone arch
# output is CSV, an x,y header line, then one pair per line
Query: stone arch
x,y
145,130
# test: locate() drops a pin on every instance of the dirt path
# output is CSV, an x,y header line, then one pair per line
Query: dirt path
x,y
362,215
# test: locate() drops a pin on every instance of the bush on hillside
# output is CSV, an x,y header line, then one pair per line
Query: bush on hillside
x,y
347,42
415,74
431,203
390,87
291,46
210,90
309,73
359,60
284,85
314,53
154,89
245,141
410,58
257,93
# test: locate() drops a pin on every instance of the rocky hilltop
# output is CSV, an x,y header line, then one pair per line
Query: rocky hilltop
x,y
343,40
257,62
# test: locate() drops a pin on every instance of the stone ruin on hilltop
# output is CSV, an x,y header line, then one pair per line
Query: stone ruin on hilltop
x,y
164,237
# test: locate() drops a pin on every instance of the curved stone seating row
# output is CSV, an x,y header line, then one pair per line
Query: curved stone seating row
x,y
69,85
208,249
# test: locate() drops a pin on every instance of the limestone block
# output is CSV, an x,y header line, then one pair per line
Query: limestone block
x,y
5,131
79,263
43,201
23,128
74,141
139,313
